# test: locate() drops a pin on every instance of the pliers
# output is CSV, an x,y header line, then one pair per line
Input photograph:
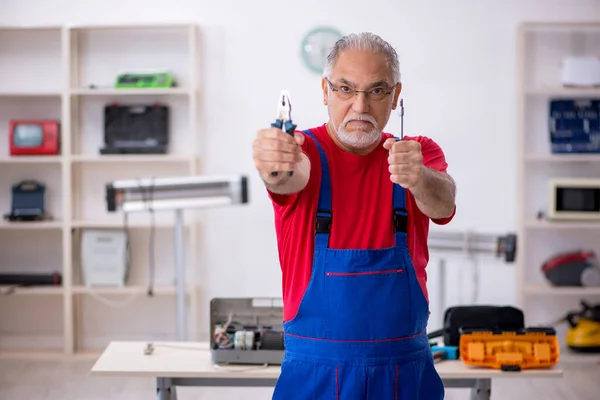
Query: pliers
x,y
284,119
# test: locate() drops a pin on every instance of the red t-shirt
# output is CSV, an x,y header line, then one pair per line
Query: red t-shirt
x,y
361,200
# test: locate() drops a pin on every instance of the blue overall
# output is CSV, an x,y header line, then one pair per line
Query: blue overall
x,y
360,330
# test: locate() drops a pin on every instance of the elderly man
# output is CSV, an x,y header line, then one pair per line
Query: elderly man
x,y
352,224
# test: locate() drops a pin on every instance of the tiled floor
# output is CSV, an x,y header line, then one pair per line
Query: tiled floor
x,y
27,379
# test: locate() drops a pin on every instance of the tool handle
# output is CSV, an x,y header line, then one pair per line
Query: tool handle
x,y
290,129
401,119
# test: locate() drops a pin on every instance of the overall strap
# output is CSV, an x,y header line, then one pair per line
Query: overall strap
x,y
400,214
324,216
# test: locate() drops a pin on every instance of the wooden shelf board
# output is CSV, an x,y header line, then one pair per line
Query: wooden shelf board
x,y
133,26
8,290
560,26
560,91
558,158
121,224
31,354
545,224
130,92
544,289
6,225
30,27
30,94
158,290
30,159
128,158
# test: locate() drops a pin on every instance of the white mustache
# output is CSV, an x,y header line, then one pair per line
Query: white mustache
x,y
361,117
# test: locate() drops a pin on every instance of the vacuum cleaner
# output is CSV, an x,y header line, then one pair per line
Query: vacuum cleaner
x,y
583,335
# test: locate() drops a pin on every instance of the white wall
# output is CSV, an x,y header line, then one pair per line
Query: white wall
x,y
458,66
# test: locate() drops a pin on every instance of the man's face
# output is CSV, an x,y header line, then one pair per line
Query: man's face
x,y
357,118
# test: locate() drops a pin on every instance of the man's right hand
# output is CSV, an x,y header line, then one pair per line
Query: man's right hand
x,y
276,151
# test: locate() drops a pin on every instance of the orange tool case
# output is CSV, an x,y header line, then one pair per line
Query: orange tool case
x,y
510,350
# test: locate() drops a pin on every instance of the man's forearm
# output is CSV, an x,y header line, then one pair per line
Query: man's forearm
x,y
288,185
435,193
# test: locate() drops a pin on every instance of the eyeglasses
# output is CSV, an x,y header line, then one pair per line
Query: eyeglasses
x,y
345,92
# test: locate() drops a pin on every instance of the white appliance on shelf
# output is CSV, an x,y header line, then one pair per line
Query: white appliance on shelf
x,y
104,257
581,71
574,199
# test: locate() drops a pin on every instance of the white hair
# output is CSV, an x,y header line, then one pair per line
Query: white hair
x,y
365,41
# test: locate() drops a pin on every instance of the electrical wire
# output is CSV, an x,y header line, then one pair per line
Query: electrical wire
x,y
220,334
113,303
150,347
127,241
8,290
148,199
151,247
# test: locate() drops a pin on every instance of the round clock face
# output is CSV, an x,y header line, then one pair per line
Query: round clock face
x,y
316,46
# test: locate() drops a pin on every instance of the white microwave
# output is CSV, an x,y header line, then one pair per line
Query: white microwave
x,y
574,199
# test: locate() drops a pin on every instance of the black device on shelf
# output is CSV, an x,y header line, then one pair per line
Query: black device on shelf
x,y
575,125
28,198
21,279
136,129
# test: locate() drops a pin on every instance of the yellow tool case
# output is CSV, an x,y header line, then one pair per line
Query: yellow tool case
x,y
510,350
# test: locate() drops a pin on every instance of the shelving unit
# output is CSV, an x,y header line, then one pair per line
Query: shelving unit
x,y
67,73
540,50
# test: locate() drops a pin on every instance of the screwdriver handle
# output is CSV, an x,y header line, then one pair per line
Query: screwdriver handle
x,y
290,128
401,111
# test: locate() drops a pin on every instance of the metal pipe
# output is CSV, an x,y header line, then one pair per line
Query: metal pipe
x,y
180,275
468,243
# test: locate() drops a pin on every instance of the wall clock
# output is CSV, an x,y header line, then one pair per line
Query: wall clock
x,y
316,46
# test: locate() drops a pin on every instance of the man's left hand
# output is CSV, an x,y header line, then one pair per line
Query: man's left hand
x,y
406,161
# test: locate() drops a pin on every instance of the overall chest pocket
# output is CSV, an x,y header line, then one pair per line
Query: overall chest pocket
x,y
374,302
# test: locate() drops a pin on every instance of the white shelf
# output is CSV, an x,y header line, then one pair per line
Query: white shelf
x,y
541,47
552,225
131,92
30,94
30,159
133,26
120,224
560,26
8,28
160,290
82,57
132,158
31,290
562,158
547,290
566,92
6,225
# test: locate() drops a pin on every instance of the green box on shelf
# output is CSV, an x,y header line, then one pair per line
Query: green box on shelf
x,y
137,81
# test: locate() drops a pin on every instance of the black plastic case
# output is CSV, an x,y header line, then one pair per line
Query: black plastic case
x,y
136,129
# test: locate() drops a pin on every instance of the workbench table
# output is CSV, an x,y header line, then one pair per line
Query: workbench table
x,y
189,364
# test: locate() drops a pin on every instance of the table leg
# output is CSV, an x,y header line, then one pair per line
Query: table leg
x,y
165,390
482,389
